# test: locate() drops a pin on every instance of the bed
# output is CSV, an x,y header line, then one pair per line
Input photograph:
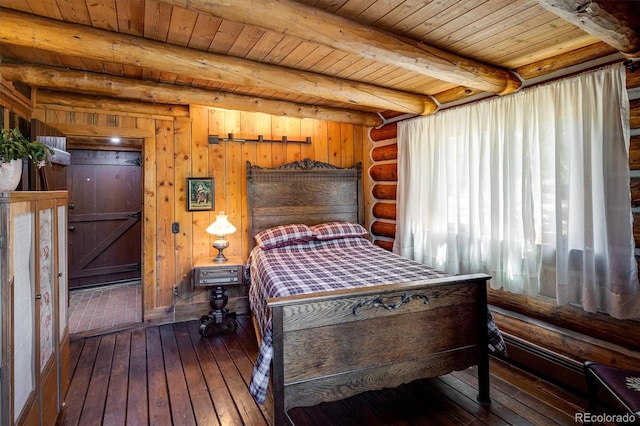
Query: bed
x,y
337,315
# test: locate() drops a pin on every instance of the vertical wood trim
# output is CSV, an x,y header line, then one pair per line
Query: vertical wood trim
x,y
292,131
233,203
347,157
278,156
321,146
307,128
165,170
250,123
183,239
196,223
334,144
263,150
150,206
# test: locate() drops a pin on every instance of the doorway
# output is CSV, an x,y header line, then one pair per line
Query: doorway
x,y
105,234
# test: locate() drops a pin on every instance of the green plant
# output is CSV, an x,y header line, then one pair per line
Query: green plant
x,y
14,146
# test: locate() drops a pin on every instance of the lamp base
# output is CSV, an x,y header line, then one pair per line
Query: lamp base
x,y
220,257
221,243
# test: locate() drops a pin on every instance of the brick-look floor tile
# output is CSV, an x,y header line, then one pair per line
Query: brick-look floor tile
x,y
102,307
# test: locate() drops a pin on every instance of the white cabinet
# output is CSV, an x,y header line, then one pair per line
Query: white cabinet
x,y
33,308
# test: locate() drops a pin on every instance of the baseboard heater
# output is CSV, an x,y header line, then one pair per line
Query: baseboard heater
x,y
541,361
544,363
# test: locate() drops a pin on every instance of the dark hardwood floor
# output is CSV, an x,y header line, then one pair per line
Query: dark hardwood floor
x,y
168,374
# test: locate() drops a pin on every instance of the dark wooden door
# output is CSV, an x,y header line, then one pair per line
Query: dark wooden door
x,y
105,202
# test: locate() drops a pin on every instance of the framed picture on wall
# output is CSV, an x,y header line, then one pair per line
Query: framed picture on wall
x,y
200,194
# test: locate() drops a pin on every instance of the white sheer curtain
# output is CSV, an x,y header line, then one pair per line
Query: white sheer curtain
x,y
532,188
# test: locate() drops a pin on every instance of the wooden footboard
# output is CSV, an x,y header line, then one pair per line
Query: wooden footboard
x,y
329,346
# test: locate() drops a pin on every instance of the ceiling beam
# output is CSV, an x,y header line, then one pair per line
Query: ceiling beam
x,y
615,22
318,26
46,97
125,88
87,42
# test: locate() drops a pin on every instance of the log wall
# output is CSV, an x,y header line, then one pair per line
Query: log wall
x,y
383,174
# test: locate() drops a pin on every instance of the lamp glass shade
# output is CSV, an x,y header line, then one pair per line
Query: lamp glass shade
x,y
221,226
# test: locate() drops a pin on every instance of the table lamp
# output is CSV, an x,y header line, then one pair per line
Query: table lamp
x,y
221,228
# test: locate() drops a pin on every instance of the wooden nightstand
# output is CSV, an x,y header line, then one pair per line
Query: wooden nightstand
x,y
218,275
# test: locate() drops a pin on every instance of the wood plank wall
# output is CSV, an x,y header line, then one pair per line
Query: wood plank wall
x,y
177,147
382,172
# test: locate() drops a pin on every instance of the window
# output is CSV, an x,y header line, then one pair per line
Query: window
x,y
532,188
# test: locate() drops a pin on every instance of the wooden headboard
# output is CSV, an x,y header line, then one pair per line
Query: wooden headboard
x,y
304,191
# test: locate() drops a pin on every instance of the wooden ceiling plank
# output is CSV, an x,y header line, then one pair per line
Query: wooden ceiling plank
x,y
353,9
75,12
512,32
157,16
432,88
147,91
344,66
150,74
402,10
130,17
564,43
260,51
394,76
203,31
227,34
168,78
615,22
494,23
461,16
113,68
183,80
436,16
92,65
246,40
311,57
328,5
103,14
363,68
298,56
131,71
315,25
106,46
330,62
536,35
181,26
282,49
317,54
426,86
374,11
43,7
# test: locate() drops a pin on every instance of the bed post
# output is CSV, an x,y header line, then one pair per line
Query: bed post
x,y
483,360
277,368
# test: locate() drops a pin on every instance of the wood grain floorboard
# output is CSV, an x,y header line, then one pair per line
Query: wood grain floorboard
x,y
137,412
170,375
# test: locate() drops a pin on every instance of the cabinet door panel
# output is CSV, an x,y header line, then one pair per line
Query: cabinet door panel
x,y
24,348
45,285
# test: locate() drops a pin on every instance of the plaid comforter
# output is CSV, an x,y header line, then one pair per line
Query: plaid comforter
x,y
323,266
